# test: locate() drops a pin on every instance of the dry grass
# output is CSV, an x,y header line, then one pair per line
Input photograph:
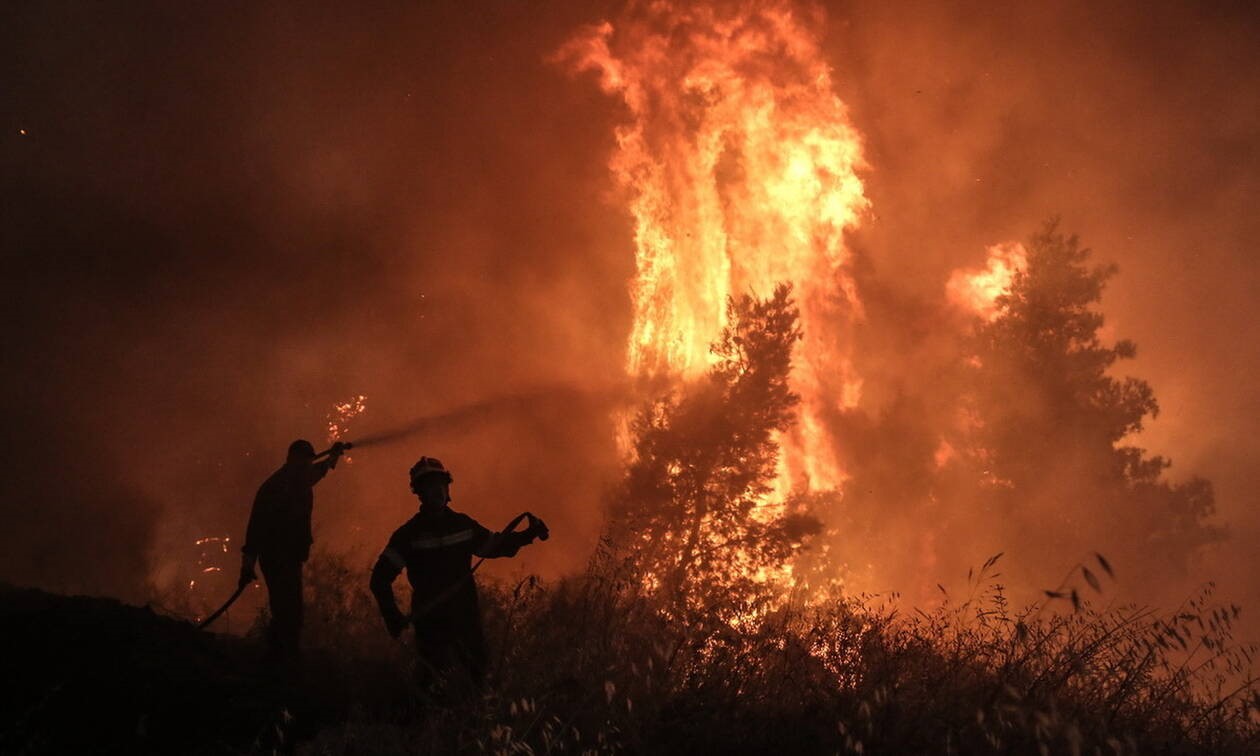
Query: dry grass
x,y
588,665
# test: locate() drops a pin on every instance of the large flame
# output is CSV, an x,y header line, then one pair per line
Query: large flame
x,y
741,169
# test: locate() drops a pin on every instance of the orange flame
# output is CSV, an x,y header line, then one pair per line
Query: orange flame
x,y
977,289
741,168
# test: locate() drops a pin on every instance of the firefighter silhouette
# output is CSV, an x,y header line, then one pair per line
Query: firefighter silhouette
x,y
278,539
436,547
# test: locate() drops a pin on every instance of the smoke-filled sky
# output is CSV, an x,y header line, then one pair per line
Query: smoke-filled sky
x,y
218,221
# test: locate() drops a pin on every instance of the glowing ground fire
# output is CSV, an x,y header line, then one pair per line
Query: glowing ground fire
x,y
741,167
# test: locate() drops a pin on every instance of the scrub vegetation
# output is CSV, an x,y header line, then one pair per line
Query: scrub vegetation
x,y
705,622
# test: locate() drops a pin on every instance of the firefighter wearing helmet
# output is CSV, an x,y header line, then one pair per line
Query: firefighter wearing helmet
x,y
436,548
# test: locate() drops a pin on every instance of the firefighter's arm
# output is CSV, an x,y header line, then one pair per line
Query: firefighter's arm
x,y
322,468
510,541
248,575
253,542
319,470
387,568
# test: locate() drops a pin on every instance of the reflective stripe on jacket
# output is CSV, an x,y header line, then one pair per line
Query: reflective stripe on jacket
x,y
436,549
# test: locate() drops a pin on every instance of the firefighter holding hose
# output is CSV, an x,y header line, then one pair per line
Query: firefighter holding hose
x,y
278,539
436,547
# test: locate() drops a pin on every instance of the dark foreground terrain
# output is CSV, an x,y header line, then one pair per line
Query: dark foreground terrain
x,y
93,675
589,665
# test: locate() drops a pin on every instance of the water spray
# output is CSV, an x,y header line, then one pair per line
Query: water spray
x,y
485,409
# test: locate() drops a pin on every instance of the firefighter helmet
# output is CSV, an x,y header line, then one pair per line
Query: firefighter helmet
x,y
429,466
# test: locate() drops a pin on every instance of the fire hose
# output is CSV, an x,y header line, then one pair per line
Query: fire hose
x,y
340,446
451,589
226,605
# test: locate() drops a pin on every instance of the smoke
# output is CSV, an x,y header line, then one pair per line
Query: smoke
x,y
221,222
974,142
1137,126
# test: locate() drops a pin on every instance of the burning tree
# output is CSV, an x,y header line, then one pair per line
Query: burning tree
x,y
1051,423
740,165
693,516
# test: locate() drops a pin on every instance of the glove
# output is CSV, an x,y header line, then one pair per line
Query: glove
x,y
247,571
335,453
395,624
538,529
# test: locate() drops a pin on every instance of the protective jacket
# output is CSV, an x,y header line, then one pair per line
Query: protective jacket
x,y
436,549
280,522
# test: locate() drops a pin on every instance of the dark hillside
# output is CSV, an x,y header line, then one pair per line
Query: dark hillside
x,y
94,675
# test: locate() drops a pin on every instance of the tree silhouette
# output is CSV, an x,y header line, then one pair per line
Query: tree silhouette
x,y
1050,425
692,515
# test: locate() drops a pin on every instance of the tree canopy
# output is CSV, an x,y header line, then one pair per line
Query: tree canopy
x,y
693,511
1049,420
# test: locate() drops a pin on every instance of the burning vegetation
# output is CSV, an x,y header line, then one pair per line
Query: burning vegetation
x,y
680,637
778,562
740,169
740,165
